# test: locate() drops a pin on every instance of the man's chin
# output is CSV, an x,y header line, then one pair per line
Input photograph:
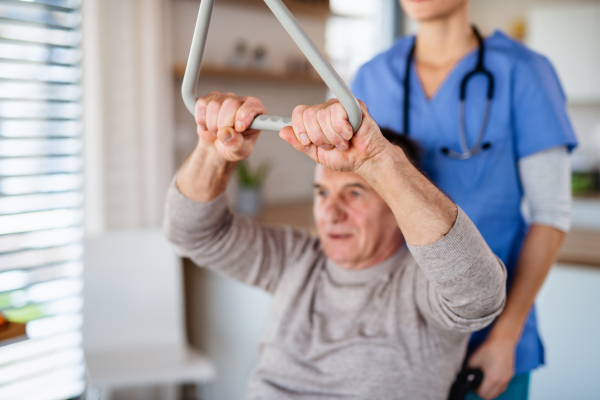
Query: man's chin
x,y
341,255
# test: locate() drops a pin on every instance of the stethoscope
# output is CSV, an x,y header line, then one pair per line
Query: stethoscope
x,y
478,147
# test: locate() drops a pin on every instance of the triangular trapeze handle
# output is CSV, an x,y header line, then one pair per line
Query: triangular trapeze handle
x,y
312,53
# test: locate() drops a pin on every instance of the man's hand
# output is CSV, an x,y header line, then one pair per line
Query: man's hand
x,y
495,357
222,123
325,135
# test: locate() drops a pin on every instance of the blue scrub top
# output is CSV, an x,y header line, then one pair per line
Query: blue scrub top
x,y
528,115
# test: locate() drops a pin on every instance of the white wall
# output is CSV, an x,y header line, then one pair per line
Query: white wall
x,y
490,15
586,122
358,31
128,112
569,323
569,35
494,14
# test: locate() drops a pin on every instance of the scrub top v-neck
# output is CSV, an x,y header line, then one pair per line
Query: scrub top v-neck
x,y
528,115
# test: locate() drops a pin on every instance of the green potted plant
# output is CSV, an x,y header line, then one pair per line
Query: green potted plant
x,y
249,193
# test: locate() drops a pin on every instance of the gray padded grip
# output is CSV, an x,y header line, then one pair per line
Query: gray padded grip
x,y
270,123
312,53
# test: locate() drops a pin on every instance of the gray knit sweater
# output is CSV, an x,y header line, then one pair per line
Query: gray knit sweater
x,y
397,330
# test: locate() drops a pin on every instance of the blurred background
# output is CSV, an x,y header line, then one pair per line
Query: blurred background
x,y
93,127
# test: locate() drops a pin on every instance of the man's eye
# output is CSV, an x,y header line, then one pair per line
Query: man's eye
x,y
355,193
323,193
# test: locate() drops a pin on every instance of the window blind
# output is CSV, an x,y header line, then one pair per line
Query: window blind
x,y
41,199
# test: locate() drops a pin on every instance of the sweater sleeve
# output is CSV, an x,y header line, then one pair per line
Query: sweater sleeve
x,y
465,282
211,236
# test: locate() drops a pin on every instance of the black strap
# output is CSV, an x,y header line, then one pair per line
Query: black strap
x,y
480,44
479,69
466,381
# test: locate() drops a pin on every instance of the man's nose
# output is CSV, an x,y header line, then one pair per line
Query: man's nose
x,y
334,211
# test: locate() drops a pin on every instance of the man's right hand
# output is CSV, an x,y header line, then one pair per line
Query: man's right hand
x,y
222,124
223,120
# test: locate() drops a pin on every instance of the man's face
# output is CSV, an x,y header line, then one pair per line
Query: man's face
x,y
430,10
356,227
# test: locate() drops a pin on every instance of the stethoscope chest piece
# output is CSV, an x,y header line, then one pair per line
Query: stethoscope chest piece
x,y
466,155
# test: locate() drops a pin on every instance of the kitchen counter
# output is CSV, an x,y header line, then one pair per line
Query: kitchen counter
x,y
581,247
298,215
585,214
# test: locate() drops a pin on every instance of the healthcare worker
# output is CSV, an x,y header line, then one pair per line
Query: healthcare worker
x,y
508,140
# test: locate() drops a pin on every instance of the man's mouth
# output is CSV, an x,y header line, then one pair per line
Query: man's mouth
x,y
339,236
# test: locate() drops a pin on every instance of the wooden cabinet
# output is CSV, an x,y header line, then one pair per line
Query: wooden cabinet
x,y
225,72
313,7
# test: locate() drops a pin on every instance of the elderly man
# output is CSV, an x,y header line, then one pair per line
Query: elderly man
x,y
381,303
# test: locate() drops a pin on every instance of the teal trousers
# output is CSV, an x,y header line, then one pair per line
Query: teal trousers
x,y
518,389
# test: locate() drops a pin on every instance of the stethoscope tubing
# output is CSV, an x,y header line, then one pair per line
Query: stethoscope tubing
x,y
478,147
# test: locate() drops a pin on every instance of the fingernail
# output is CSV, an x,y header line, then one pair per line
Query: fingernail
x,y
228,137
202,127
304,139
341,147
327,147
238,126
346,136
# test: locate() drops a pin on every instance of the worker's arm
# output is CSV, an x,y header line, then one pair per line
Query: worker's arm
x,y
468,280
198,220
546,180
496,354
537,256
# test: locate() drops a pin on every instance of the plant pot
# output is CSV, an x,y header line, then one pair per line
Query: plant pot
x,y
249,201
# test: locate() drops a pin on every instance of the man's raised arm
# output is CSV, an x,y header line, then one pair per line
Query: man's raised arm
x,y
467,279
423,212
197,219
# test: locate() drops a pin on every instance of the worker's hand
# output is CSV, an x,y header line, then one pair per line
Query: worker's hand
x,y
222,121
325,135
495,357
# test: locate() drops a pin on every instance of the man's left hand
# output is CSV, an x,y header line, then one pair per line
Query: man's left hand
x,y
323,133
495,357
